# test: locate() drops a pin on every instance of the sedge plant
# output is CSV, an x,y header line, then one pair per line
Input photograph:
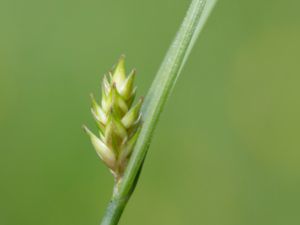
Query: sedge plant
x,y
125,128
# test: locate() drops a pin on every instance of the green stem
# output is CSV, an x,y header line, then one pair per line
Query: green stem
x,y
114,210
115,207
161,88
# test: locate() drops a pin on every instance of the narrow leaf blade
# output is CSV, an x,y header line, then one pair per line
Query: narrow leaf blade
x,y
163,84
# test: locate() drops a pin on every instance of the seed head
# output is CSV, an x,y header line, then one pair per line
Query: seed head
x,y
118,121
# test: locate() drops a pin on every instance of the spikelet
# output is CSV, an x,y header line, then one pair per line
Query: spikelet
x,y
118,120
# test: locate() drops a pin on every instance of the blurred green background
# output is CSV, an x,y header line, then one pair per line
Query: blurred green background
x,y
226,150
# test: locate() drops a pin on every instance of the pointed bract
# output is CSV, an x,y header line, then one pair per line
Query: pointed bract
x,y
128,147
102,150
130,117
105,85
118,103
127,87
97,111
119,74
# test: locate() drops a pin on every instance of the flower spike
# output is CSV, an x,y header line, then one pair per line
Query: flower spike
x,y
119,122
